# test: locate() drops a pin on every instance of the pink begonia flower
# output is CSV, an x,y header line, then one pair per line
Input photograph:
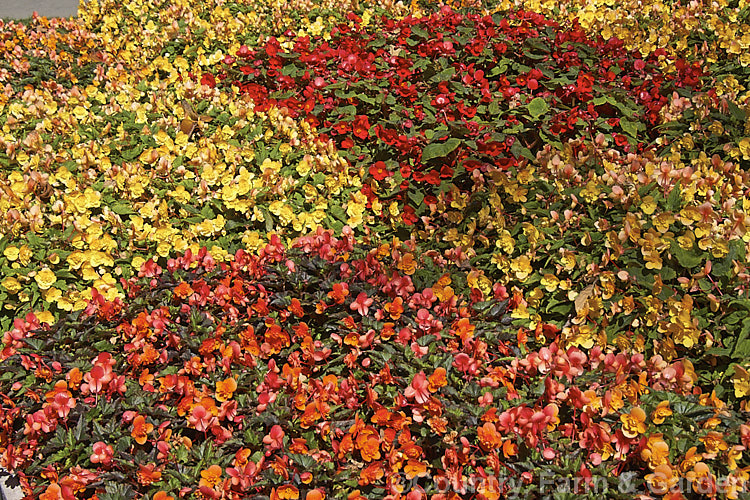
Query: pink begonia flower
x,y
275,438
418,389
361,304
102,453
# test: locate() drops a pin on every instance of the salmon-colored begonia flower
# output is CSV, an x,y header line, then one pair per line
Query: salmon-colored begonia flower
x,y
201,418
275,438
419,389
361,304
102,454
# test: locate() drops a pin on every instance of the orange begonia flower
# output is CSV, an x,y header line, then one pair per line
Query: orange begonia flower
x,y
162,495
286,492
225,389
464,330
407,264
339,292
633,423
183,290
395,309
415,468
368,443
510,448
346,446
489,438
74,378
438,424
211,477
53,492
662,479
148,474
714,443
276,338
661,412
316,494
141,429
371,473
438,379
299,446
656,451
702,479
296,308
388,331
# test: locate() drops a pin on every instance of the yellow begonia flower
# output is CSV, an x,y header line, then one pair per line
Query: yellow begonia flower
x,y
137,262
11,253
52,295
648,205
11,285
741,381
25,255
45,317
45,278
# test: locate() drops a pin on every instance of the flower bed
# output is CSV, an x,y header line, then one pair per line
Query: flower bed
x,y
404,251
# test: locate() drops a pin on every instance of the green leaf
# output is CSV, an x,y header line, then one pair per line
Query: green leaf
x,y
598,101
537,107
444,75
132,153
687,259
439,150
737,112
674,200
417,197
122,209
742,346
629,127
420,32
